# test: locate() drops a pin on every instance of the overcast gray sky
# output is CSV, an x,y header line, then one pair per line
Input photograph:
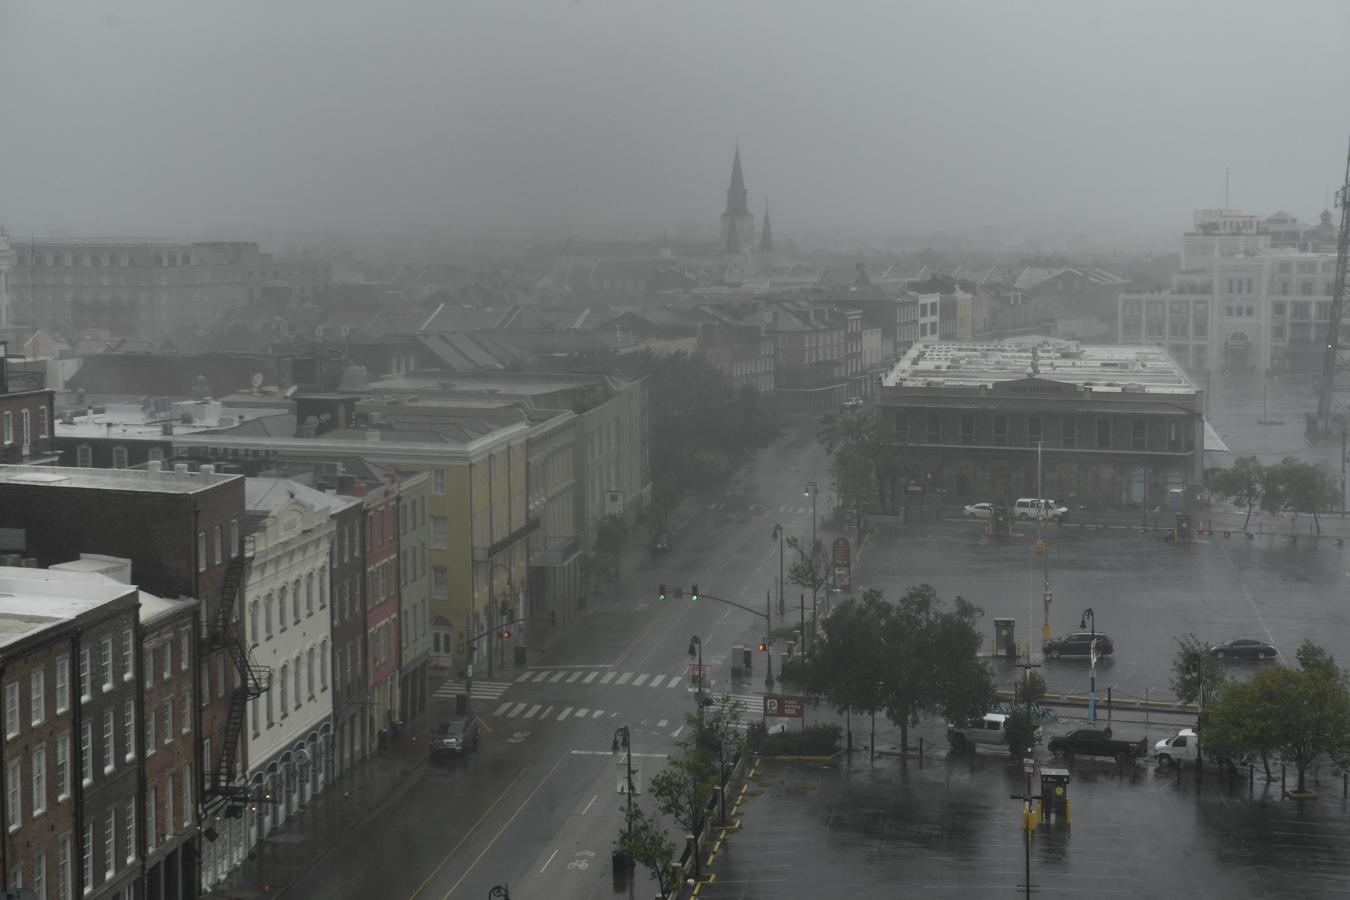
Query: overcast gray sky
x,y
620,116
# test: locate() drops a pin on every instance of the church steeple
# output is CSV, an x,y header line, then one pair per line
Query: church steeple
x,y
738,223
766,238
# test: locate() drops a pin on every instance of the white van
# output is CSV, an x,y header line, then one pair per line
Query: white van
x,y
1033,508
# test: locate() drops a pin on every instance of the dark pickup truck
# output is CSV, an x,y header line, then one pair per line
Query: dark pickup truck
x,y
1096,742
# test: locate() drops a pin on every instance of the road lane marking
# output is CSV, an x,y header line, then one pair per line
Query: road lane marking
x,y
656,680
575,676
623,679
674,681
588,805
591,677
543,676
562,715
464,837
529,714
676,732
544,714
640,680
598,714
547,861
479,858
557,678
525,676
609,676
663,723
581,713
503,708
516,710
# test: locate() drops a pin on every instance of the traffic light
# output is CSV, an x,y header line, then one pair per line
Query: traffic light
x,y
763,646
506,609
693,592
506,633
661,592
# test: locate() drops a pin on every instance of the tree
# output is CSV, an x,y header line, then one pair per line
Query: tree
x,y
1021,733
611,533
719,738
1197,675
932,666
1312,658
1243,484
810,571
865,459
682,791
1299,486
1030,688
645,841
849,660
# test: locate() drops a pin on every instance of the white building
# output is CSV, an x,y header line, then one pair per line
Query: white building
x,y
288,735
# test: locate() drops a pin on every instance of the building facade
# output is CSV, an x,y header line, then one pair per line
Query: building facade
x,y
26,417
382,610
414,489
347,624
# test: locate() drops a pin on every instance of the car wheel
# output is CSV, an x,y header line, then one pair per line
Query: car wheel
x,y
1053,653
1267,654
1022,516
1164,759
970,515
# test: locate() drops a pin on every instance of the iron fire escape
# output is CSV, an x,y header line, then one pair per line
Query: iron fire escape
x,y
252,682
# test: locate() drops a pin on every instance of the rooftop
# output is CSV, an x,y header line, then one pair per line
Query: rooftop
x,y
133,421
162,482
34,599
1103,367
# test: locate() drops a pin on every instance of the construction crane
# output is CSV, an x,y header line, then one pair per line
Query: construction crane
x,y
1333,363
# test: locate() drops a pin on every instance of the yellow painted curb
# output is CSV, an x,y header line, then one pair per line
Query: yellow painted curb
x,y
833,756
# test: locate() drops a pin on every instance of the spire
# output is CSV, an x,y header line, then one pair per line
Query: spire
x,y
766,238
736,203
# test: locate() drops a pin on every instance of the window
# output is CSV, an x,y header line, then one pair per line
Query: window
x,y
184,650
87,753
281,608
440,533
440,583
62,684
13,797
1277,308
309,596
323,666
168,802
934,428
967,428
271,718
267,616
1069,432
438,482
151,810
257,716
106,661
218,536
110,843
109,743
128,661
295,673
38,764
309,672
1001,430
84,455
87,858
169,721
131,830
323,592
1033,430
1103,433
295,600
185,702
62,766
86,687
9,427
201,551
129,729
254,613
285,671
63,881
155,454
119,457
44,425
1173,436
187,793
1138,434
37,700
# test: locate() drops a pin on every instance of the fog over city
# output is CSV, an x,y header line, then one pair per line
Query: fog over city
x,y
857,122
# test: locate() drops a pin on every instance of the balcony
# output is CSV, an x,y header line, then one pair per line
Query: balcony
x,y
491,551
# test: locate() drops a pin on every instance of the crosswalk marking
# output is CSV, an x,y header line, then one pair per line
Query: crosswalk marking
x,y
562,715
529,713
674,682
609,676
502,708
590,677
482,690
657,679
525,676
544,714
598,713
516,710
575,676
557,678
581,713
640,680
662,723
623,679
542,676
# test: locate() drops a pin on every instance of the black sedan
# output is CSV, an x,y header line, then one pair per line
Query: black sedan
x,y
1244,648
1078,644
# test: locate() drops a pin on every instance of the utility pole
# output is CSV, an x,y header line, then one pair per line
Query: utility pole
x,y
1046,596
768,639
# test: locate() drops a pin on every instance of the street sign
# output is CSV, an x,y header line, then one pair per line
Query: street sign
x,y
842,553
784,706
698,676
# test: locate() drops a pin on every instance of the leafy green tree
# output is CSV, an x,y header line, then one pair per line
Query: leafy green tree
x,y
718,737
1298,486
932,661
682,791
1021,733
866,459
1029,688
611,534
1197,675
644,841
850,659
810,571
1243,484
1312,658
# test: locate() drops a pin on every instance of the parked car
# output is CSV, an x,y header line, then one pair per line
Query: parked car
x,y
1078,644
1180,747
1096,742
1245,648
660,543
979,511
990,730
455,737
1032,508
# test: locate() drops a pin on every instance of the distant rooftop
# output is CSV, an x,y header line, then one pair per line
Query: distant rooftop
x,y
133,421
1103,367
163,482
32,600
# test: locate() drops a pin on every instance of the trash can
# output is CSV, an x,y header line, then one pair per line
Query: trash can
x,y
1184,532
519,655
461,704
1054,796
1005,643
747,661
738,671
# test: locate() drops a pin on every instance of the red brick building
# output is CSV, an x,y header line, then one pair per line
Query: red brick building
x,y
26,416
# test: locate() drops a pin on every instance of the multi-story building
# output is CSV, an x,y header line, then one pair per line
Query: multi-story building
x,y
347,626
557,544
1115,425
414,490
182,532
7,260
72,744
382,609
287,627
128,435
147,288
26,416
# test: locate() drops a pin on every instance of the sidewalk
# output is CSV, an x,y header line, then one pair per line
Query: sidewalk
x,y
290,851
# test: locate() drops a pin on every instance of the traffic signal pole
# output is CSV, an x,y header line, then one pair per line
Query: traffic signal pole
x,y
767,613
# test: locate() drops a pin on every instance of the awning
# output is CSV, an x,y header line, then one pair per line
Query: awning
x,y
1214,443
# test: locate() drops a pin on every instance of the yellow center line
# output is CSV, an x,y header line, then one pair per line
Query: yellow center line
x,y
467,834
479,858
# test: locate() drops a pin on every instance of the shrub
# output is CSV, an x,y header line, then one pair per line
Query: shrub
x,y
815,740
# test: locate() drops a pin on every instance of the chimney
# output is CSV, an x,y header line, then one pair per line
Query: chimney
x,y
154,465
180,468
207,469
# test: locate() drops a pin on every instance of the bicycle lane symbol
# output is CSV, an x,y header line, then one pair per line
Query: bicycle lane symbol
x,y
582,862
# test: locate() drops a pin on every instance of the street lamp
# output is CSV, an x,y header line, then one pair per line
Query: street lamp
x,y
622,741
1088,614
811,491
494,633
778,536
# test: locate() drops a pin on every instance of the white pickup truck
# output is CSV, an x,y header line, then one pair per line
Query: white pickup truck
x,y
1179,748
989,730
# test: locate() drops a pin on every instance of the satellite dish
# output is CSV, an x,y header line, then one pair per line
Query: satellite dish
x,y
256,380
